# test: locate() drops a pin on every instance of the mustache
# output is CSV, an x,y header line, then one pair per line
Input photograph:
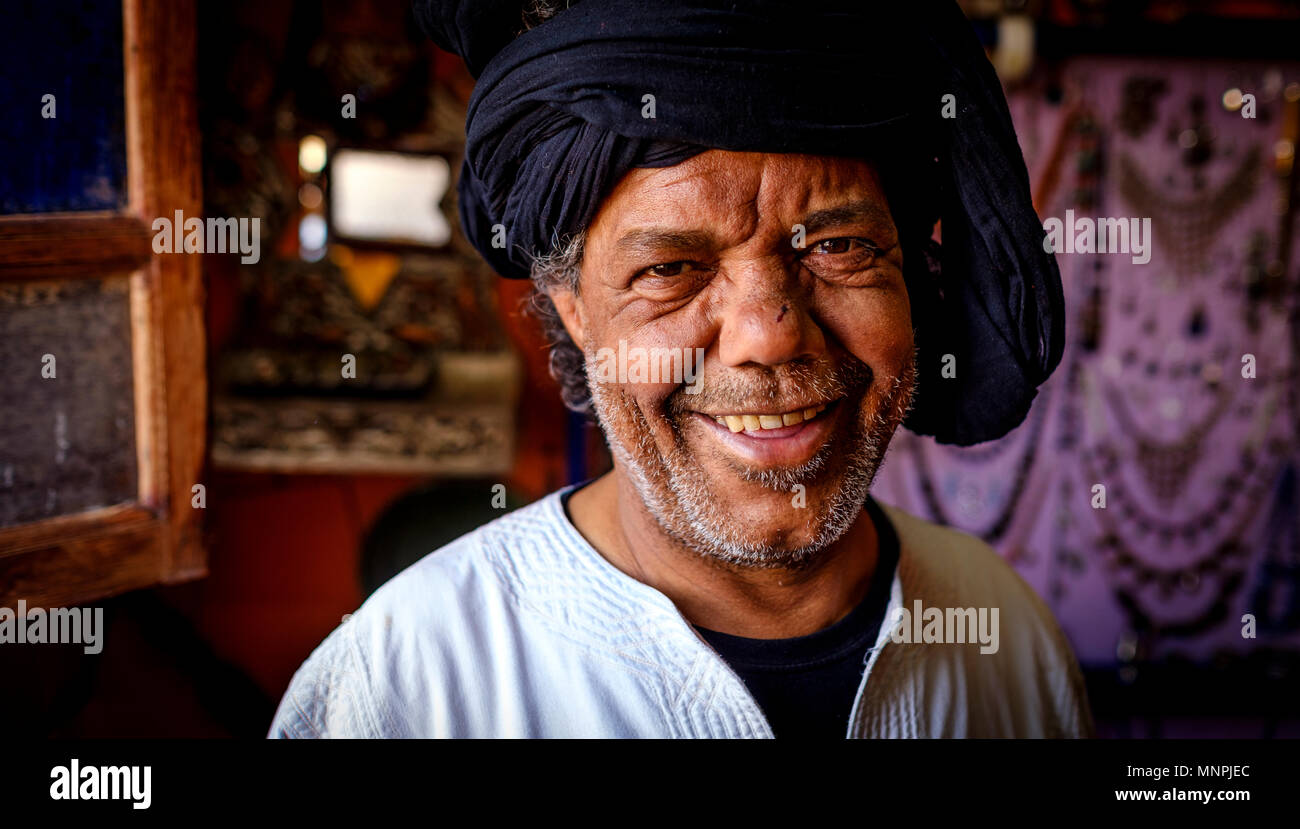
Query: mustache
x,y
793,382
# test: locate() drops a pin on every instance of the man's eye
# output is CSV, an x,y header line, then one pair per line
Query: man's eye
x,y
685,268
667,269
672,278
845,245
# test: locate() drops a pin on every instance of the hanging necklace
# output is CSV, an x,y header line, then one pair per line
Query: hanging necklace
x,y
1245,480
1129,575
1103,464
1166,465
1186,228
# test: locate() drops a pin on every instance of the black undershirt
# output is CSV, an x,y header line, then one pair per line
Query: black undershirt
x,y
806,685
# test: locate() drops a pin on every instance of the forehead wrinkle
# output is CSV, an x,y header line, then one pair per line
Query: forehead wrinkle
x,y
817,193
722,185
711,197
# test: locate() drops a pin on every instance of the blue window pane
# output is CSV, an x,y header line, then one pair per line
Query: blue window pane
x,y
71,49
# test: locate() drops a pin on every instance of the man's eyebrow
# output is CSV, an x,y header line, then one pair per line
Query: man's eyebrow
x,y
653,238
650,238
864,210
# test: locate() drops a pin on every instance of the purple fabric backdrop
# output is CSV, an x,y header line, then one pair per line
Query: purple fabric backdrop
x,y
1198,462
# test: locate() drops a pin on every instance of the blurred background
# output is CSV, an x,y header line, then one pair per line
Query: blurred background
x,y
203,466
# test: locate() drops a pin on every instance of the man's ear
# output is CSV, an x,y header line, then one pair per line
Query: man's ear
x,y
569,305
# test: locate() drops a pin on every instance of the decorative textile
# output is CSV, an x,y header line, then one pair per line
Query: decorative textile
x,y
1201,524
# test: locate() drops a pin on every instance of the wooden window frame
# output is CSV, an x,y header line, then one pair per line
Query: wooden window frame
x,y
157,538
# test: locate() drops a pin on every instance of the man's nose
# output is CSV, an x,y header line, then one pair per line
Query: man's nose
x,y
768,322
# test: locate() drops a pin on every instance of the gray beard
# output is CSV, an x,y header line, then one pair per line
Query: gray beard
x,y
680,498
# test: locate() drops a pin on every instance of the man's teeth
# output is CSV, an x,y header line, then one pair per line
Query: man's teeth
x,y
739,423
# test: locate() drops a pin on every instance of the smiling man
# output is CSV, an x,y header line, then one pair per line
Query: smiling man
x,y
758,187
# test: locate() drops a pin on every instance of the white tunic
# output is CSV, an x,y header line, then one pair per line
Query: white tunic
x,y
521,629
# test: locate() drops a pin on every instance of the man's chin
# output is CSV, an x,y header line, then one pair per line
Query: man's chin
x,y
754,524
787,494
775,543
761,548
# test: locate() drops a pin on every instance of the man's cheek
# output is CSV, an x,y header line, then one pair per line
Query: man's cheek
x,y
649,404
868,321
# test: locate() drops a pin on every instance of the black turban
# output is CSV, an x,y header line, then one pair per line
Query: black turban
x,y
557,119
